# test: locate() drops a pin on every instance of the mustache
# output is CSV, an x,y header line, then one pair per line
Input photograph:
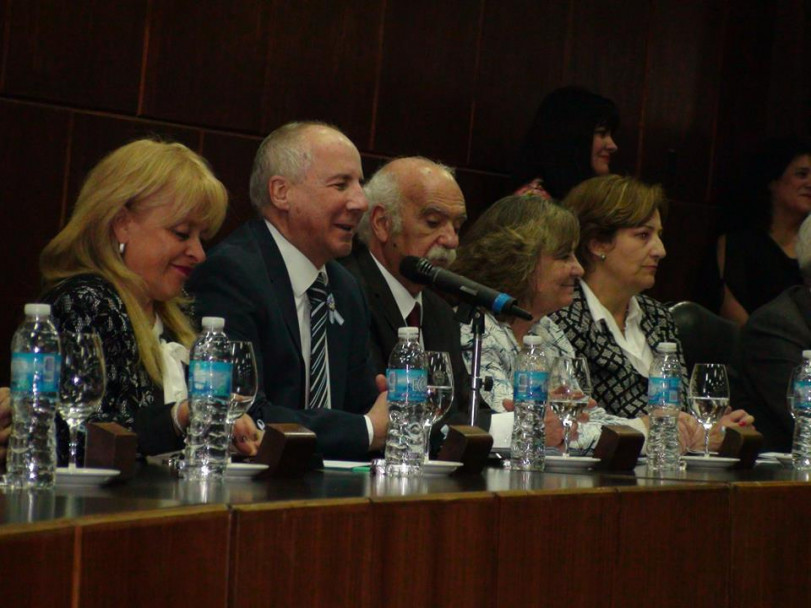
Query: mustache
x,y
440,255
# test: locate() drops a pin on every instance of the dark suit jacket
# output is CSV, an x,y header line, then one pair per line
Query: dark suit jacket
x,y
245,280
771,346
440,331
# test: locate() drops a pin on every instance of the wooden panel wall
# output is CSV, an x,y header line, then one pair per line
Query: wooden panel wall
x,y
697,82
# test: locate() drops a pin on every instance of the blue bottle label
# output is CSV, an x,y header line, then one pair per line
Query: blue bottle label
x,y
664,391
210,378
407,384
802,394
530,386
35,371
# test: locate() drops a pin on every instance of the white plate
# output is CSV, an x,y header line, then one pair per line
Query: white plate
x,y
346,465
785,459
711,462
84,477
440,467
569,463
241,470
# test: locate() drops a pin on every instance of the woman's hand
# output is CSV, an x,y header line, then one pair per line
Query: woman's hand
x,y
731,418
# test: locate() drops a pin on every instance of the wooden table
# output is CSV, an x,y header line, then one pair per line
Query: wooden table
x,y
334,538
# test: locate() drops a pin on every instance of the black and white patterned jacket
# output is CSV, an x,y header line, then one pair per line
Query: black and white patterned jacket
x,y
618,386
89,303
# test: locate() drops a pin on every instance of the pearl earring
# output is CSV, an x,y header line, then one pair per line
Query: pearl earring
x,y
121,248
602,257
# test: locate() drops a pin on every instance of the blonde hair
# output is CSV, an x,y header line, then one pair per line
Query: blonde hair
x,y
607,203
127,178
502,248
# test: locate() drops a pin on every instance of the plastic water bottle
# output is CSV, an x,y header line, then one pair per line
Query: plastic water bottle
x,y
35,368
209,395
530,382
407,385
664,405
801,410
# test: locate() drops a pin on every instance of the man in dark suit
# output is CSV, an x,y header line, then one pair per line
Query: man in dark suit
x,y
263,278
770,347
415,208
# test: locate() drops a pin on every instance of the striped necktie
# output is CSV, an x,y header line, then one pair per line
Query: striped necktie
x,y
317,293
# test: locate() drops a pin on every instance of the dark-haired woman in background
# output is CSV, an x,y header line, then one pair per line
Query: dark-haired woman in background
x,y
756,256
570,140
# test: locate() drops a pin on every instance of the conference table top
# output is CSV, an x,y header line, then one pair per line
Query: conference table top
x,y
154,487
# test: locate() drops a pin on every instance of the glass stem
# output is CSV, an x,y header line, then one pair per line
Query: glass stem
x,y
706,442
73,445
567,432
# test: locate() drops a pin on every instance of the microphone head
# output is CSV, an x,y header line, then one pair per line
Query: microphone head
x,y
418,270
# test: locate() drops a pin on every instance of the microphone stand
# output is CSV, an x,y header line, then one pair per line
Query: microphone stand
x,y
477,327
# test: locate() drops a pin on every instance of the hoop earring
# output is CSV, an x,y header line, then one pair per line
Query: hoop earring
x,y
121,248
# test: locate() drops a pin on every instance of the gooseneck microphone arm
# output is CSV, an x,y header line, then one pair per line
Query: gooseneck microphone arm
x,y
421,271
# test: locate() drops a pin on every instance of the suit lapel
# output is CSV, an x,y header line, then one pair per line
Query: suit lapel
x,y
383,303
279,279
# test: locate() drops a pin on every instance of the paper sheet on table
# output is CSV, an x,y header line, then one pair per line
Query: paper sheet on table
x,y
501,428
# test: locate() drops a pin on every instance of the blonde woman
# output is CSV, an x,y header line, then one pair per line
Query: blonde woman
x,y
118,268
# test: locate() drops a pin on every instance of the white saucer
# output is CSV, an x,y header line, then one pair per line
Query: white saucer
x,y
711,462
785,459
242,470
440,467
569,463
83,476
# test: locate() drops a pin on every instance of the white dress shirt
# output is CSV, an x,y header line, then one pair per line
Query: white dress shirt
x,y
404,300
633,342
302,274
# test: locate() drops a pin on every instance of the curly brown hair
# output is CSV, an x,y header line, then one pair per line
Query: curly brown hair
x,y
502,248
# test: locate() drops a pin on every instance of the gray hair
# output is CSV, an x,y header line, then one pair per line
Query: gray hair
x,y
803,249
284,152
382,190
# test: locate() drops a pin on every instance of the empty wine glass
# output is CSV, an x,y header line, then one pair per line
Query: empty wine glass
x,y
82,383
709,396
439,391
244,381
566,396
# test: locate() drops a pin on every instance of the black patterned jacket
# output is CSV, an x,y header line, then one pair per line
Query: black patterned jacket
x,y
618,387
86,303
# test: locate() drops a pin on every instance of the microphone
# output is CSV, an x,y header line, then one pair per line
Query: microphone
x,y
420,270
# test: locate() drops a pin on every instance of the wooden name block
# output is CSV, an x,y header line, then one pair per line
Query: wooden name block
x,y
287,449
742,442
111,446
469,445
618,448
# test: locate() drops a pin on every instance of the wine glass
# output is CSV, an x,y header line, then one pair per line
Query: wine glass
x,y
439,391
244,381
82,383
566,396
709,396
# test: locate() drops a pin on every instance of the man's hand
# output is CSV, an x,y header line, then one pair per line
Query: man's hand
x,y
379,415
5,421
246,436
